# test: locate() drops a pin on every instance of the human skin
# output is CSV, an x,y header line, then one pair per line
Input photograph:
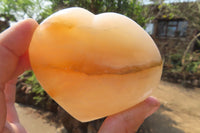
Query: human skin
x,y
14,43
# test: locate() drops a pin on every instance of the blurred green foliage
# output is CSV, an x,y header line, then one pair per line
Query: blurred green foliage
x,y
176,59
15,10
131,8
193,67
192,64
37,90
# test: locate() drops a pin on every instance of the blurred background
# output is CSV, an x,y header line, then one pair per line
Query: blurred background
x,y
175,27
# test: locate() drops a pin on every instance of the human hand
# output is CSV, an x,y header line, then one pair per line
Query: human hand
x,y
14,60
130,120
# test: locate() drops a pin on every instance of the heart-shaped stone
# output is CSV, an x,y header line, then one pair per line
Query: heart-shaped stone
x,y
94,65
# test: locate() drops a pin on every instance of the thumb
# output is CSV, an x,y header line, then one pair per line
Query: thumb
x,y
14,43
130,120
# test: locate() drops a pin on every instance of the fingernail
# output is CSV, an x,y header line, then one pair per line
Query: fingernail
x,y
152,101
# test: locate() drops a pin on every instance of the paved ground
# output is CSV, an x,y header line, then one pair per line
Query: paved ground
x,y
179,113
36,121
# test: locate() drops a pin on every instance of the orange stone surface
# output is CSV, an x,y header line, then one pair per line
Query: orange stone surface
x,y
94,65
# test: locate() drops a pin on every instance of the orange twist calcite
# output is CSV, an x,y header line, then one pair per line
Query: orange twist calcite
x,y
94,65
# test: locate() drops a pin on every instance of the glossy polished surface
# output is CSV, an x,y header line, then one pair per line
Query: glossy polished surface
x,y
94,65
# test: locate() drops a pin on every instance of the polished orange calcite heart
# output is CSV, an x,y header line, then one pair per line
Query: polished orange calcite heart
x,y
94,65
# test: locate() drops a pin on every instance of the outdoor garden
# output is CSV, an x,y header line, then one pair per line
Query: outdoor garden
x,y
175,28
